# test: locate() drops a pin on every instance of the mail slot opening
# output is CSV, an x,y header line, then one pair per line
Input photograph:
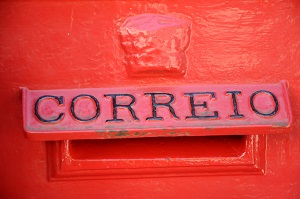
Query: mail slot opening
x,y
156,156
157,148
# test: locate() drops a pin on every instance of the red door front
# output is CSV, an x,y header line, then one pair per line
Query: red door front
x,y
150,99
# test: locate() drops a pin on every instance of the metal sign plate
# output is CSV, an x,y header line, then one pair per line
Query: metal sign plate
x,y
188,110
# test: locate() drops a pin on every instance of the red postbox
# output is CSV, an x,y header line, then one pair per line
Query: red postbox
x,y
140,99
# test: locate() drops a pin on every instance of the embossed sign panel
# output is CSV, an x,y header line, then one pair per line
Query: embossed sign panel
x,y
186,110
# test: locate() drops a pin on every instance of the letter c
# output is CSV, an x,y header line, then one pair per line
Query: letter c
x,y
36,108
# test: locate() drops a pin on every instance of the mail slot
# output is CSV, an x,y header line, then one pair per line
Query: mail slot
x,y
188,129
158,111
164,157
149,99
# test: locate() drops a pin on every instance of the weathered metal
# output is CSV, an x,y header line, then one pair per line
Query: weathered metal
x,y
190,110
46,46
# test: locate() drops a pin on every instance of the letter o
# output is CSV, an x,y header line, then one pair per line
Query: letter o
x,y
264,114
73,108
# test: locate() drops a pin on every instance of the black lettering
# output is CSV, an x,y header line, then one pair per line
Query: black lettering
x,y
264,114
73,108
235,107
116,106
156,104
36,109
204,105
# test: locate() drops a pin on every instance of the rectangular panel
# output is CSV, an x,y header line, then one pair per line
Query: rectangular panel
x,y
187,110
163,157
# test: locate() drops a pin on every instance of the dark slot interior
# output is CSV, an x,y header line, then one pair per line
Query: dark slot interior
x,y
151,148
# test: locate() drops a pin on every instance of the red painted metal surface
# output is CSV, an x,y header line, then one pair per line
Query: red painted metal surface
x,y
163,157
156,111
53,45
155,44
